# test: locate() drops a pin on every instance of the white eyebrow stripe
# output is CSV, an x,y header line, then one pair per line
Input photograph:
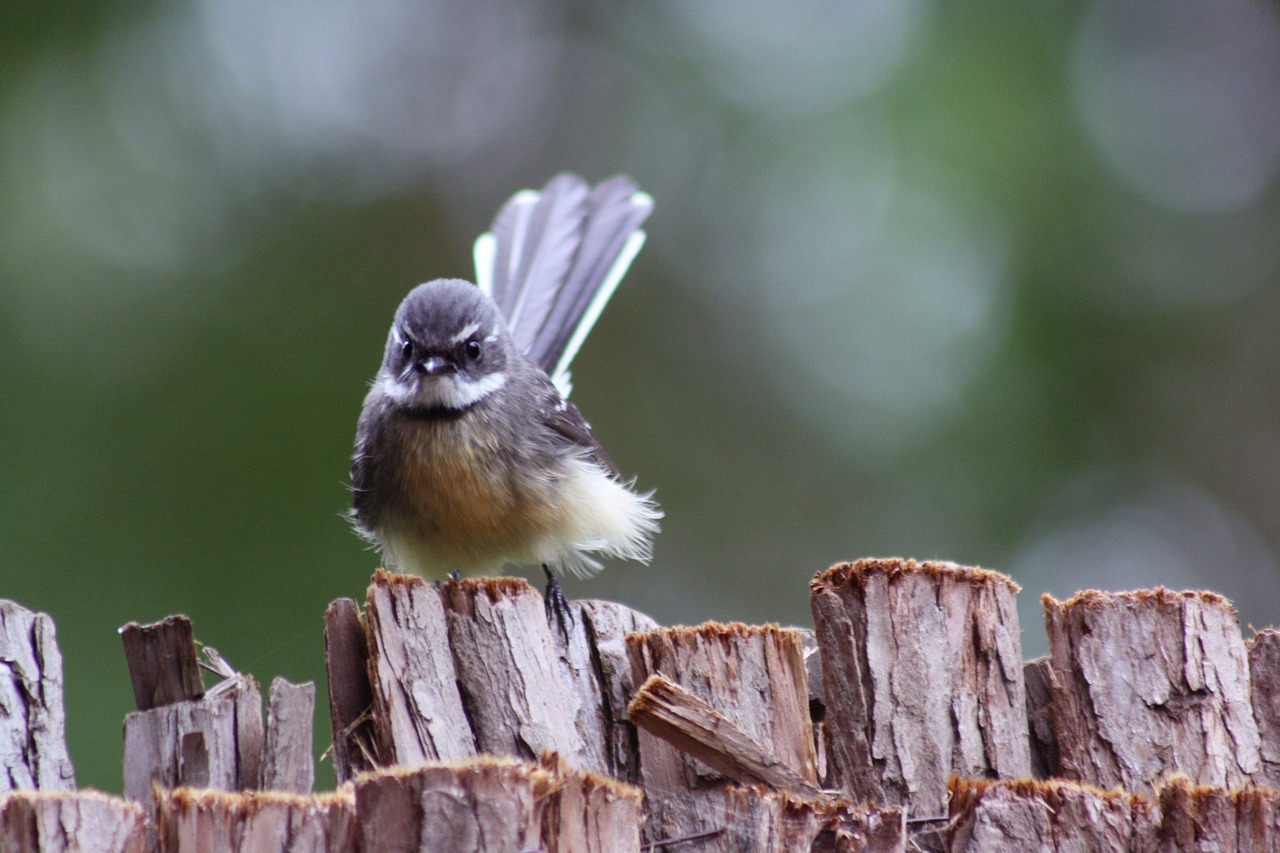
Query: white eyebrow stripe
x,y
469,330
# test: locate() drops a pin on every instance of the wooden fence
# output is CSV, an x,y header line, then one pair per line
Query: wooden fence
x,y
464,720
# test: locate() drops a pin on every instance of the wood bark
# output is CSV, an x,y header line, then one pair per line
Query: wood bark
x,y
665,709
162,662
912,673
1058,815
70,822
597,677
33,749
1148,684
484,804
1044,746
479,805
203,821
346,658
922,678
496,804
1264,678
584,812
754,677
214,742
1048,815
817,705
507,670
287,764
743,819
1205,817
469,666
417,707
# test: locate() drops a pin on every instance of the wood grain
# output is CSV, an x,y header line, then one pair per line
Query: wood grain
x,y
922,678
33,748
1151,683
287,764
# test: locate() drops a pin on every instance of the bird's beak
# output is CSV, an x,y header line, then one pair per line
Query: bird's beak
x,y
435,365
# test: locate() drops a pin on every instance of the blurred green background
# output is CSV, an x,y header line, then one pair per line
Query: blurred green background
x,y
987,282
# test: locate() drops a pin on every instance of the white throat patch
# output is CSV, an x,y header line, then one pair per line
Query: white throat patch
x,y
451,391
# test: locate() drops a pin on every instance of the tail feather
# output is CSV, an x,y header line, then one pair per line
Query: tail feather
x,y
553,259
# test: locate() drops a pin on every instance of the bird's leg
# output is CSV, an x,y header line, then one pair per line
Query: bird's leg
x,y
557,605
454,575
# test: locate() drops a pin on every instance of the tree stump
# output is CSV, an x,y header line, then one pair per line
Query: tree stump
x,y
287,764
1047,815
1057,815
33,748
1205,817
417,707
1148,684
254,822
71,822
597,675
913,672
162,662
183,735
922,678
444,671
506,664
1044,746
346,662
214,742
496,805
752,676
665,709
1264,678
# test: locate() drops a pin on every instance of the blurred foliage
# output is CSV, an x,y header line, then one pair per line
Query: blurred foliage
x,y
942,280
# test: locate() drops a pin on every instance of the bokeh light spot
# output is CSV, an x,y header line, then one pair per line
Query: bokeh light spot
x,y
1183,98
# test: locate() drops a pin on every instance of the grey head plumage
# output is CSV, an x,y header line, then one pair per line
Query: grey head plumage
x,y
448,347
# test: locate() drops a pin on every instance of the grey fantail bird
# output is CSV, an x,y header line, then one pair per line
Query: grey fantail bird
x,y
468,453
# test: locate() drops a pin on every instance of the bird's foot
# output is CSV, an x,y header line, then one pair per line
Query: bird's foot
x,y
557,605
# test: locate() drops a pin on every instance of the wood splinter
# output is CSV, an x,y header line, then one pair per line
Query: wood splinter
x,y
162,662
666,710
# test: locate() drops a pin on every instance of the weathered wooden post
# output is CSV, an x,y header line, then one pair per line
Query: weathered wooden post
x,y
1148,684
922,678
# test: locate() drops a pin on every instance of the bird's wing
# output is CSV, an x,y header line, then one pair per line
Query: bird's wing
x,y
554,257
568,423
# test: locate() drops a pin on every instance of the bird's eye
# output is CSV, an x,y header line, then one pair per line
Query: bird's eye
x,y
406,349
473,349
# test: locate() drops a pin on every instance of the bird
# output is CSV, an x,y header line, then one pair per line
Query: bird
x,y
468,454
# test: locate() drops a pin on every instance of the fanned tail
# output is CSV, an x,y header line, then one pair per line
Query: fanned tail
x,y
554,257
